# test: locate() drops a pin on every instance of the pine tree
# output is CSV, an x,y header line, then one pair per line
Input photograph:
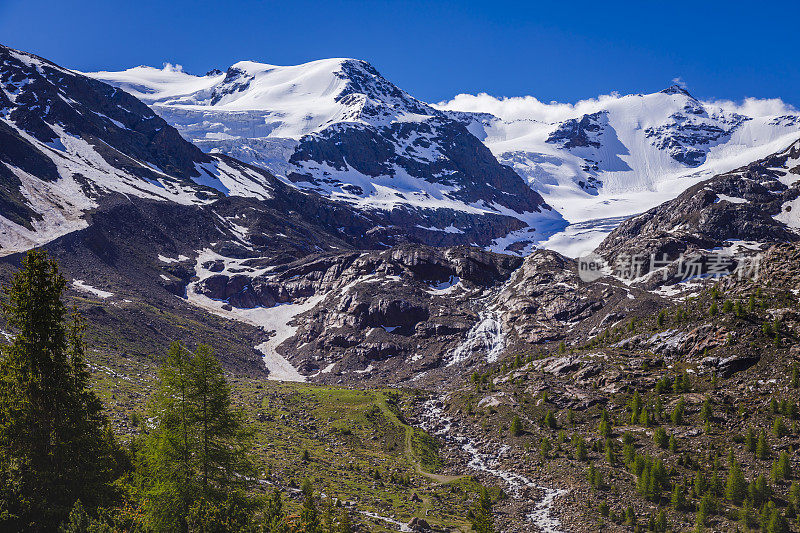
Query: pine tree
x,y
736,486
794,495
516,426
309,516
77,521
762,447
580,450
700,485
782,469
707,412
750,440
482,520
198,448
630,518
779,428
54,444
550,420
274,515
677,413
705,508
673,444
678,499
746,515
759,491
777,523
545,448
661,522
611,457
604,428
660,438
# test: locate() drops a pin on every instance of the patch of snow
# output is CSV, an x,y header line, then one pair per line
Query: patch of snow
x,y
731,199
367,370
165,259
85,287
445,287
790,214
275,319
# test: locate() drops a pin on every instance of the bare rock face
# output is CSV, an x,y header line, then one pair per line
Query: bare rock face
x,y
381,316
546,299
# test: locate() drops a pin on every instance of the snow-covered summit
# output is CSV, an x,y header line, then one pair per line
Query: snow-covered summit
x,y
618,155
339,128
296,100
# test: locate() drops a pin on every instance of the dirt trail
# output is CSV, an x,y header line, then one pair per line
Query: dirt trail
x,y
408,445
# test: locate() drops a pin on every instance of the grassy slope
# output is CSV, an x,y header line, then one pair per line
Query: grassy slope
x,y
349,435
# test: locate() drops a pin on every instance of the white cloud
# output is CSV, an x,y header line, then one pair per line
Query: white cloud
x,y
172,67
530,108
679,82
525,107
755,107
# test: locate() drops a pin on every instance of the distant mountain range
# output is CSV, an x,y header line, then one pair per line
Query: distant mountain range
x,y
339,128
317,224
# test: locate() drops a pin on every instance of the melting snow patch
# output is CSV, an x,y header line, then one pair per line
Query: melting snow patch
x,y
445,287
165,259
275,319
732,199
85,287
790,214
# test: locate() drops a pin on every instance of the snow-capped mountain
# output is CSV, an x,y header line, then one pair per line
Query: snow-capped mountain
x,y
72,145
338,128
69,144
620,155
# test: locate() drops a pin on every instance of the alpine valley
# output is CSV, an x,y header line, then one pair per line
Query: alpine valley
x,y
392,286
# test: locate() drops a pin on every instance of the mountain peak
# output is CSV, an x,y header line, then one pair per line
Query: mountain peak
x,y
676,89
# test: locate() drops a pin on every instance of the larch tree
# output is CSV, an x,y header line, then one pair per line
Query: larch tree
x,y
194,464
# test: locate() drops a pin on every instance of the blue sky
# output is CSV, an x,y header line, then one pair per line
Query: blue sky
x,y
562,51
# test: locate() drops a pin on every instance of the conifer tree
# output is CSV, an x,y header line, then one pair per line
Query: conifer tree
x,y
309,516
482,520
197,451
274,515
677,413
762,447
54,445
550,420
736,486
516,426
604,428
678,499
